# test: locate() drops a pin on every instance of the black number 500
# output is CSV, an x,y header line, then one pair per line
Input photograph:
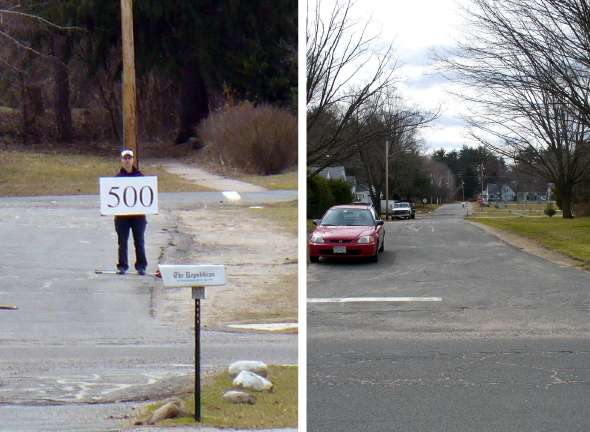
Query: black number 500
x,y
130,196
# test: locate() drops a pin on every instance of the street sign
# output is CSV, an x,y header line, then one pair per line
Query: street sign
x,y
182,275
128,195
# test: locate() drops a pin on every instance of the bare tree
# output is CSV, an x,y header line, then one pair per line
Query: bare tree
x,y
523,60
387,120
336,54
19,29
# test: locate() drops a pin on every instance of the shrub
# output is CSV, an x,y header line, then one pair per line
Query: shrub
x,y
319,197
549,210
341,191
254,139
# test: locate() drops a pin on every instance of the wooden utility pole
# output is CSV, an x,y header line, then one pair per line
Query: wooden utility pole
x,y
129,94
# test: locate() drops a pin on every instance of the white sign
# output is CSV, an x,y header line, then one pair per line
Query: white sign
x,y
181,275
128,195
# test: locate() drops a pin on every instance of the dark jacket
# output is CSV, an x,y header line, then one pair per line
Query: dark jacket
x,y
134,173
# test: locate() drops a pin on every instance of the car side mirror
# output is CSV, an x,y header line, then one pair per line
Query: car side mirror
x,y
316,222
379,222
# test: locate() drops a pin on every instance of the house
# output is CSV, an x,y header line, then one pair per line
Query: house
x,y
332,173
538,192
363,197
495,192
352,182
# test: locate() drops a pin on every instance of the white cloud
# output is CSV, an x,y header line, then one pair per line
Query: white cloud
x,y
416,28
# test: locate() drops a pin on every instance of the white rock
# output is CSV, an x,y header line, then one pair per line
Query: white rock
x,y
249,380
237,397
169,410
257,367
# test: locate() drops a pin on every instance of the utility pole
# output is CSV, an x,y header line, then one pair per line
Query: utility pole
x,y
386,179
463,189
129,92
481,180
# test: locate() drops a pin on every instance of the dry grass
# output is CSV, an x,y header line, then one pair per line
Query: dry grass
x,y
272,410
28,173
277,304
513,210
285,181
568,236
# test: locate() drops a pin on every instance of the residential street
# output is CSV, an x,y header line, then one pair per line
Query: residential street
x,y
80,342
506,348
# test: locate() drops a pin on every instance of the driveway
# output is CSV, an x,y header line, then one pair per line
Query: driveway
x,y
505,348
80,342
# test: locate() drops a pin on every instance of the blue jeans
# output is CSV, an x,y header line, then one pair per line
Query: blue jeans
x,y
137,226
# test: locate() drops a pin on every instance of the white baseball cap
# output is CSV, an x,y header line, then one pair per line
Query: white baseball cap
x,y
127,152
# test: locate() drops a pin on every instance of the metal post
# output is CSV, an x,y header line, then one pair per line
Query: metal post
x,y
197,360
386,179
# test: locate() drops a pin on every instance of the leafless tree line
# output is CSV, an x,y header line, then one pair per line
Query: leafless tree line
x,y
528,63
347,121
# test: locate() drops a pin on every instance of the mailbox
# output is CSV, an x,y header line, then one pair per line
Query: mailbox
x,y
182,275
197,277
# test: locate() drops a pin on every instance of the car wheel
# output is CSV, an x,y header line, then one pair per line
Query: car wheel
x,y
314,259
375,258
382,248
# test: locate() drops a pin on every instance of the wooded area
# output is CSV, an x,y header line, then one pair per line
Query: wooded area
x,y
60,66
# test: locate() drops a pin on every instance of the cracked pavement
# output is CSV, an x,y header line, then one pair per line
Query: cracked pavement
x,y
507,348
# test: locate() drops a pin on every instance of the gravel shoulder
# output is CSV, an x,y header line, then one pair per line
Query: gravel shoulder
x,y
260,260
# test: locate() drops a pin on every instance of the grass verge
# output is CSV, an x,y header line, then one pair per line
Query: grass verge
x,y
24,173
272,410
568,236
282,213
285,181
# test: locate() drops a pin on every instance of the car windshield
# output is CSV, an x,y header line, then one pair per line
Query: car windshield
x,y
348,217
402,205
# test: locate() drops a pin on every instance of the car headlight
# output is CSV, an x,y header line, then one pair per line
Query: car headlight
x,y
317,239
365,239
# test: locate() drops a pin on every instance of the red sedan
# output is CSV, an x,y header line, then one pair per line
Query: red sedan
x,y
347,231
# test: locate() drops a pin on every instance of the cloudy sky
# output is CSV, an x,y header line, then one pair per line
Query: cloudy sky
x,y
416,28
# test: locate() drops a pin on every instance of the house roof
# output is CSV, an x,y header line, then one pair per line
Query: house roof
x,y
333,173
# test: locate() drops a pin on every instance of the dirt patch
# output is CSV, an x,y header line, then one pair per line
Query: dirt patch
x,y
260,260
530,246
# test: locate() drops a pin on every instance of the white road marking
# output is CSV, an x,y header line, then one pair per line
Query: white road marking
x,y
373,299
265,327
232,195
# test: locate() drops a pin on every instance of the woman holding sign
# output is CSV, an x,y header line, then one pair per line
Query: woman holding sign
x,y
135,223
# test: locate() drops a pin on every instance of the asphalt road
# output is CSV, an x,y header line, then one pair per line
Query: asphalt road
x,y
506,349
80,342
